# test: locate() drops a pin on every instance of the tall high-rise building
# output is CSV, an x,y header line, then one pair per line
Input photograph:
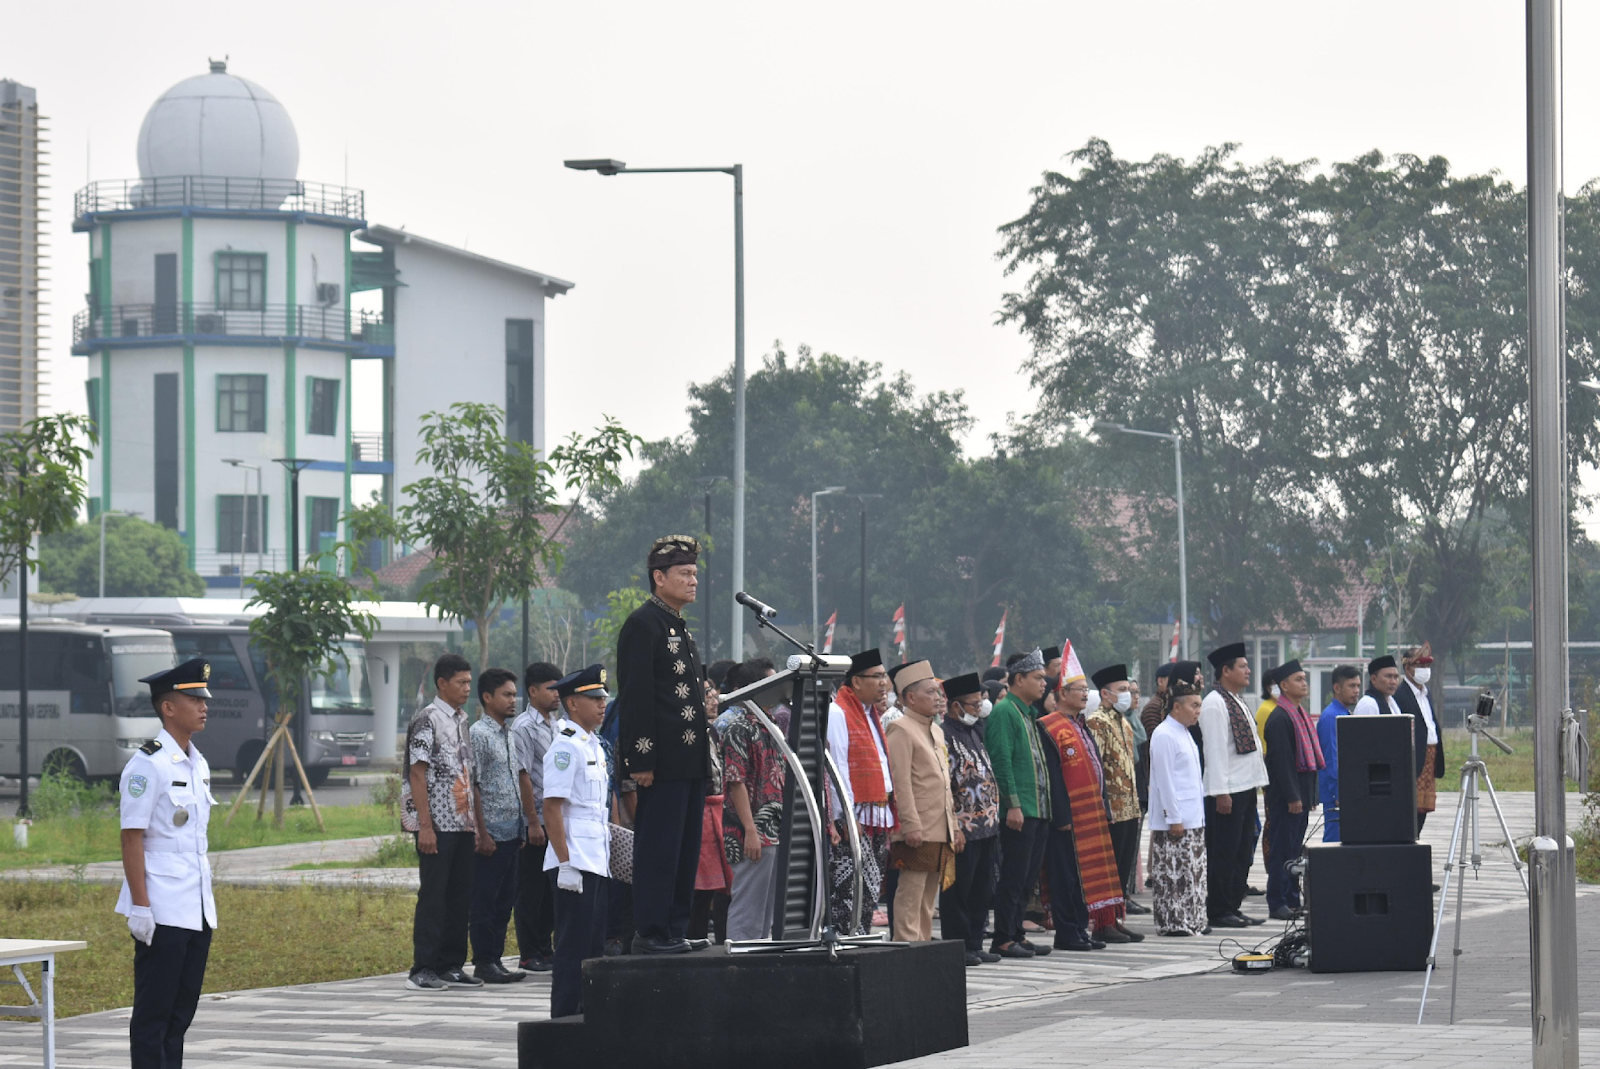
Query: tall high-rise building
x,y
22,155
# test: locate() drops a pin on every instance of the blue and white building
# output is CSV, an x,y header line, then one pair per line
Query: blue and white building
x,y
231,307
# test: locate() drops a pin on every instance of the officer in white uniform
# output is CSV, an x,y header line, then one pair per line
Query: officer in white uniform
x,y
166,891
576,782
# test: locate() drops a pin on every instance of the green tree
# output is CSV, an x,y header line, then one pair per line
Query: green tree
x,y
142,560
41,484
490,511
1193,297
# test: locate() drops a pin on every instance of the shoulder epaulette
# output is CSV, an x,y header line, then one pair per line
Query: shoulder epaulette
x,y
150,747
569,731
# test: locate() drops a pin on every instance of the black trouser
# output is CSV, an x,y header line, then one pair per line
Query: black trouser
x,y
1286,837
1230,845
1422,818
1021,855
444,904
536,905
709,916
891,884
964,905
1125,845
580,934
1067,906
619,913
494,892
167,976
666,853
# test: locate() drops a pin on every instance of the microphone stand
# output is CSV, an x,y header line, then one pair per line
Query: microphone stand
x,y
829,938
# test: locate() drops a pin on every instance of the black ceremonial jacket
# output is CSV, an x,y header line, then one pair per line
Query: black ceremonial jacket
x,y
1407,702
661,704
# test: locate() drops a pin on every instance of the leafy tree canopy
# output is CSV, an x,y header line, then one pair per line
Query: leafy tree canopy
x,y
142,560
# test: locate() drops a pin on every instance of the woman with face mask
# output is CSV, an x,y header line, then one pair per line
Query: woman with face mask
x,y
964,905
1110,697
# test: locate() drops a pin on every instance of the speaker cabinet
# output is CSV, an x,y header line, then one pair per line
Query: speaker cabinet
x,y
1377,779
1369,907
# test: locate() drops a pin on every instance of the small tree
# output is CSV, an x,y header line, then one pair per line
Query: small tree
x,y
308,615
41,491
490,512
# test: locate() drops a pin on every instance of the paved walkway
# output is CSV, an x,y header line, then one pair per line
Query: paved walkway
x,y
1169,1003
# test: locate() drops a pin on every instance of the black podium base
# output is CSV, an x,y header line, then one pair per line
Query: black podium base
x,y
712,1009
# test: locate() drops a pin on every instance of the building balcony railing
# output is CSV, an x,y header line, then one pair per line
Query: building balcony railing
x,y
223,194
368,446
121,322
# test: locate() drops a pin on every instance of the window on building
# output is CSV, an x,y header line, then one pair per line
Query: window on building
x,y
239,516
241,281
519,380
91,391
322,406
166,425
322,526
242,403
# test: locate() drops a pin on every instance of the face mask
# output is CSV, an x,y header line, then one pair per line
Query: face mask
x,y
985,709
968,719
1124,701
1423,675
1094,702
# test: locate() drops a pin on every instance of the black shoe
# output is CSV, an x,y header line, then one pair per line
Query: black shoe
x,y
1253,891
973,959
698,944
1435,888
613,950
1230,921
1249,919
1096,944
1136,909
987,957
1075,944
1111,935
495,973
655,944
457,978
1013,950
1181,931
1133,937
1206,930
1038,951
545,962
1284,913
425,980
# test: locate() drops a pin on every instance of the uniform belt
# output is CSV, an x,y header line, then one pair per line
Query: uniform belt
x,y
169,846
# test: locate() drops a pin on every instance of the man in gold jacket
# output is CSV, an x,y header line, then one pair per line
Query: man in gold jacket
x,y
925,843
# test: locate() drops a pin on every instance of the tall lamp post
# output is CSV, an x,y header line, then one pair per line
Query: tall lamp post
x,y
706,482
294,466
1183,553
814,617
615,167
104,513
244,516
863,499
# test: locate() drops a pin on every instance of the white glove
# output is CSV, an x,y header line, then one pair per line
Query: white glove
x,y
569,879
142,923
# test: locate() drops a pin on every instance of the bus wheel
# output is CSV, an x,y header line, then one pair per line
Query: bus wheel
x,y
249,754
66,765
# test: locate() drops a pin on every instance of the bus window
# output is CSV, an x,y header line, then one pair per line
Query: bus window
x,y
87,675
227,673
130,659
269,686
347,690
45,653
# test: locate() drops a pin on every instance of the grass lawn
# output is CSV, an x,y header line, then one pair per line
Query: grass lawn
x,y
1510,772
399,852
89,832
265,937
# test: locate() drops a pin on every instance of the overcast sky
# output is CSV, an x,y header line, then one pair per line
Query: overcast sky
x,y
883,143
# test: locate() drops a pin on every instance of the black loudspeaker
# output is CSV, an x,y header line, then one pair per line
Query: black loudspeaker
x,y
1377,779
1369,908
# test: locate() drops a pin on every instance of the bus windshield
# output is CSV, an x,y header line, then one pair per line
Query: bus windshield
x,y
132,658
347,690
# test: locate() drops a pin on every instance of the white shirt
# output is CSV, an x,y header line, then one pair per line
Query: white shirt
x,y
1368,707
575,772
1228,772
868,815
155,788
1177,795
1427,711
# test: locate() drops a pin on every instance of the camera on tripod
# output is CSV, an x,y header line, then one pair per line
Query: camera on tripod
x,y
1478,720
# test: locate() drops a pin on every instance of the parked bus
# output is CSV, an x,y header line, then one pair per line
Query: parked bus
x,y
88,711
335,725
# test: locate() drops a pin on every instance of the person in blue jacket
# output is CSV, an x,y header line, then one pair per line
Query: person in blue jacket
x,y
1346,691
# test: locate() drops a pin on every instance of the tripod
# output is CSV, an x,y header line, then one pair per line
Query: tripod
x,y
1472,770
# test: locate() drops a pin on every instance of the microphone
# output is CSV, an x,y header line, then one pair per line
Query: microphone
x,y
762,609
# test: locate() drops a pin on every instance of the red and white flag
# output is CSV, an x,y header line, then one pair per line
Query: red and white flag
x,y
827,636
1172,651
900,630
999,639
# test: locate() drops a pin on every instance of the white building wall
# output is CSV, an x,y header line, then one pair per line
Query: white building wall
x,y
132,443
450,342
269,237
134,245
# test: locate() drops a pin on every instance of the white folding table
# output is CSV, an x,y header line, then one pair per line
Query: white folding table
x,y
19,952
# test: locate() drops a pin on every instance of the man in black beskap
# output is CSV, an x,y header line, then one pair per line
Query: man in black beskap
x,y
664,747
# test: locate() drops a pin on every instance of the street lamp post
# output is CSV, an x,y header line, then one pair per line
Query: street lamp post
x,y
1183,553
294,466
103,515
863,499
814,617
244,516
706,482
610,167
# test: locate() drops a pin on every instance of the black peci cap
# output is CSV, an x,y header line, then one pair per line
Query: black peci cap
x,y
961,686
1226,655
